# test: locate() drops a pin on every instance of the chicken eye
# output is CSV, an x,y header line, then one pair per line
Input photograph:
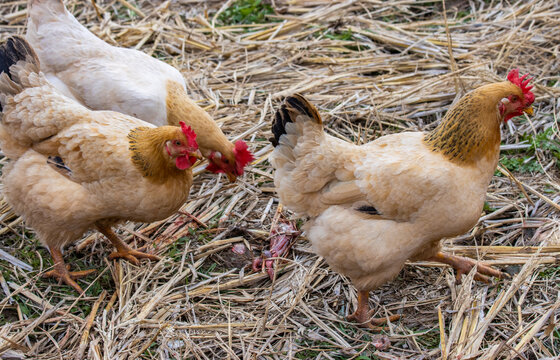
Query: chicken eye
x,y
514,98
177,142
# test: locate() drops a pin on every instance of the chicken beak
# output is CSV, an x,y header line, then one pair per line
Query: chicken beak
x,y
232,178
528,111
197,154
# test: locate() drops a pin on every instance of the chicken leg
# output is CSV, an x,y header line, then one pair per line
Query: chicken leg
x,y
123,250
464,265
61,272
363,314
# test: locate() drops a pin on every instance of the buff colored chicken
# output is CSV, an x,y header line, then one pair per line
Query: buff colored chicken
x,y
72,169
375,206
106,77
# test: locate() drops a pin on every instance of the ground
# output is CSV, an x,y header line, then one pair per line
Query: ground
x,y
372,68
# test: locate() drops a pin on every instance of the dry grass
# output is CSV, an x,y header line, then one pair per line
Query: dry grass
x,y
372,67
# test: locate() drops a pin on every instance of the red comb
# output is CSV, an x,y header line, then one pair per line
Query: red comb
x,y
242,156
523,83
189,134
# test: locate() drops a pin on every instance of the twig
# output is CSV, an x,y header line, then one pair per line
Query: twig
x,y
85,335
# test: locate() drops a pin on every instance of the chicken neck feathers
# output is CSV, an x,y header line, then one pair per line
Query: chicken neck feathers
x,y
146,147
180,107
470,130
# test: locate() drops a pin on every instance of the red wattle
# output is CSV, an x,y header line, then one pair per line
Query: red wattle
x,y
182,162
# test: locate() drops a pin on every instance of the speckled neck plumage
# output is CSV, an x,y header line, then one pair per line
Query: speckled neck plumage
x,y
146,145
471,129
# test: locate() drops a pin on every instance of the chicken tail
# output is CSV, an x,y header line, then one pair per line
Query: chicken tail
x,y
16,48
33,111
13,53
295,108
305,158
17,61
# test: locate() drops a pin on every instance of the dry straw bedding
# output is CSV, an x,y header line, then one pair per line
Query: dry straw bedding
x,y
372,68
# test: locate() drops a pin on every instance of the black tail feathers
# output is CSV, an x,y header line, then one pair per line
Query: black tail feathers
x,y
292,107
16,48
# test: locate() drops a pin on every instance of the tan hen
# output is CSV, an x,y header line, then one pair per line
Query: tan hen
x,y
375,206
72,169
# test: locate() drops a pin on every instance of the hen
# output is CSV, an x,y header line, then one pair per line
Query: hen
x,y
72,169
375,206
105,77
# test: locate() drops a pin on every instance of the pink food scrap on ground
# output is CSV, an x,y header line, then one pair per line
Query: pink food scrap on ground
x,y
282,236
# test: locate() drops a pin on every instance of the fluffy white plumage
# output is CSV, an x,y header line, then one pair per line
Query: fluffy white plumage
x,y
100,76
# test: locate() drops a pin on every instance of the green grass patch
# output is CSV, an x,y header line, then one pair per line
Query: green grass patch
x,y
429,340
247,12
462,14
207,269
523,161
344,35
311,349
160,55
319,347
125,14
29,250
176,249
488,208
550,273
546,141
519,164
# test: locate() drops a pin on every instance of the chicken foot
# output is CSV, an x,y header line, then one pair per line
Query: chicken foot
x,y
464,265
123,250
363,314
61,272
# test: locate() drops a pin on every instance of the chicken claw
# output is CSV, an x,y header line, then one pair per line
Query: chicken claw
x,y
463,265
132,255
61,272
363,314
123,250
281,239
